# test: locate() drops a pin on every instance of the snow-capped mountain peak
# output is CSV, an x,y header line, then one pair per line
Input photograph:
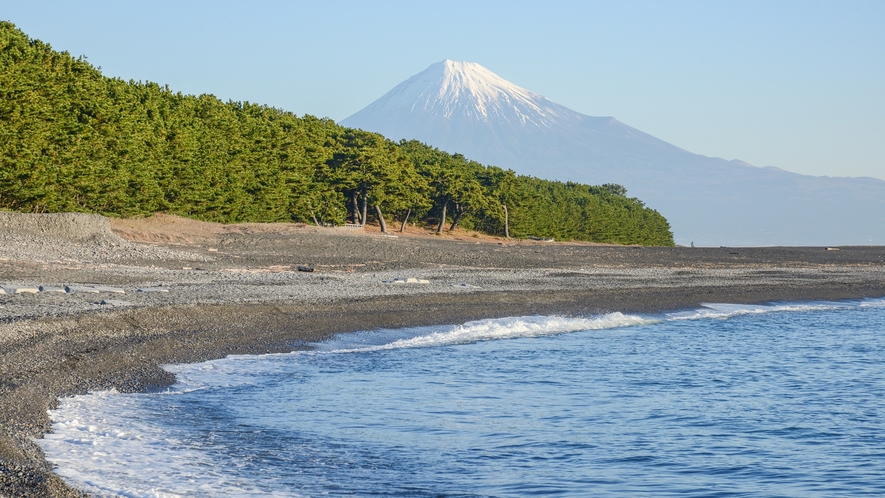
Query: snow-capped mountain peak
x,y
449,89
474,89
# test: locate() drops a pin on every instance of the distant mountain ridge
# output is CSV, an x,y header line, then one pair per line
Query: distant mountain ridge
x,y
463,107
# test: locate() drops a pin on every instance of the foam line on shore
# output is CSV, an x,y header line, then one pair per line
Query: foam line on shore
x,y
488,330
539,326
237,370
90,430
246,369
725,310
873,303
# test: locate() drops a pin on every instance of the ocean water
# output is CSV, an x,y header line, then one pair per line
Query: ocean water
x,y
727,400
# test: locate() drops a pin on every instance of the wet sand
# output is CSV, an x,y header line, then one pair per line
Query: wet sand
x,y
237,290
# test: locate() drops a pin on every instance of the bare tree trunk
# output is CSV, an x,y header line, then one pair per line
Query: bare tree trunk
x,y
354,209
506,223
381,218
363,207
405,220
442,219
458,213
315,222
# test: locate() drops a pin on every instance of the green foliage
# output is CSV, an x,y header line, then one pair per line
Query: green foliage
x,y
537,208
72,139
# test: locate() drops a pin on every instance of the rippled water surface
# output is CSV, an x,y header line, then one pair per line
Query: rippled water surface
x,y
781,400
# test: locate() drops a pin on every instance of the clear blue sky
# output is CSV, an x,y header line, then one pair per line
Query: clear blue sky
x,y
794,84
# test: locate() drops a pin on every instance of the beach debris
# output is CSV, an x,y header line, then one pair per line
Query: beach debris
x,y
409,280
2,292
467,286
832,248
541,239
73,289
307,269
114,302
152,289
113,290
13,289
45,288
93,289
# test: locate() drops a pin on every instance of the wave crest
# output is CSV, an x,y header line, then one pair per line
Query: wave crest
x,y
500,328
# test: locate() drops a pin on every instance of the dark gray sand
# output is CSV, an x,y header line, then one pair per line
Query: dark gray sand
x,y
237,289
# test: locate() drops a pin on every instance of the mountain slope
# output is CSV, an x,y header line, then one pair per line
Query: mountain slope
x,y
463,107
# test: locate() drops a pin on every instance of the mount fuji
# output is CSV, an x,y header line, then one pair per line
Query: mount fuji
x,y
463,107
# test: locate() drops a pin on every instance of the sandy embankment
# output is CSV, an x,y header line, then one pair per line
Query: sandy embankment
x,y
236,289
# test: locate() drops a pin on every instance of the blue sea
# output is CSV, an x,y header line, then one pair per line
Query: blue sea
x,y
786,399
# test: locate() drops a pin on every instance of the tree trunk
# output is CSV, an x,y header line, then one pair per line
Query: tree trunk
x,y
458,212
506,223
354,209
442,219
363,206
315,222
381,218
405,220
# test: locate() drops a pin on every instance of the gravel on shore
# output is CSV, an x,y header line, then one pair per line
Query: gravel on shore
x,y
238,290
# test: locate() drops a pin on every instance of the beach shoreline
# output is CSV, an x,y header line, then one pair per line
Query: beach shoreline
x,y
238,290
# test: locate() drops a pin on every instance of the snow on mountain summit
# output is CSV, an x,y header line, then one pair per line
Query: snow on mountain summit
x,y
469,87
451,89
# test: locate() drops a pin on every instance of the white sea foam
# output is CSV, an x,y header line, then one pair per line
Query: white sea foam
x,y
101,443
501,328
873,303
726,310
88,436
239,370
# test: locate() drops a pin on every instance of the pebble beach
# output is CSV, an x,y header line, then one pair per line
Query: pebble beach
x,y
91,304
